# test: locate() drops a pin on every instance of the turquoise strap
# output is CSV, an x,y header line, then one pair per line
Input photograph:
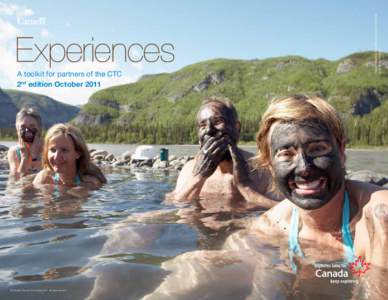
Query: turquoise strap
x,y
346,233
293,244
56,179
77,180
18,153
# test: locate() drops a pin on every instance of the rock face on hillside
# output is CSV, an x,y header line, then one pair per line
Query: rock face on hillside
x,y
345,66
213,78
109,103
8,111
84,118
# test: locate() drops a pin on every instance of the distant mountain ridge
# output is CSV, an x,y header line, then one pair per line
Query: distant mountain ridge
x,y
161,108
8,110
52,111
350,84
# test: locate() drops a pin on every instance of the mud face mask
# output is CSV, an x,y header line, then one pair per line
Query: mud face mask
x,y
216,122
28,134
306,163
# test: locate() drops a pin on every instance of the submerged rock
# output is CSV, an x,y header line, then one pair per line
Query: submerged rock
x,y
99,153
119,164
126,156
158,164
3,148
369,176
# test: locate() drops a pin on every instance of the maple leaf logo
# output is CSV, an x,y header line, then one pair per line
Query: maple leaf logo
x,y
359,266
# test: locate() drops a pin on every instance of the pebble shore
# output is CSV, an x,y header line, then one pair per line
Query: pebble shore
x,y
104,159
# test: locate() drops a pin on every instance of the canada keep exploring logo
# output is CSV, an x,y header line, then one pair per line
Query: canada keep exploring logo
x,y
359,266
341,273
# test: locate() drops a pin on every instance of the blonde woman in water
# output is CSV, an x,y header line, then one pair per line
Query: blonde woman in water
x,y
66,159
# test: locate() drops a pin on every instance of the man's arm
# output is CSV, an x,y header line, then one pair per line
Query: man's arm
x,y
377,225
253,187
41,178
195,172
12,161
188,186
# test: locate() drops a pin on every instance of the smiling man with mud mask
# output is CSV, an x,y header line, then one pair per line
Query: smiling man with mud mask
x,y
220,168
323,216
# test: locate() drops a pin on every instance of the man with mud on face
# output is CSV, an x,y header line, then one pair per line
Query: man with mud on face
x,y
220,169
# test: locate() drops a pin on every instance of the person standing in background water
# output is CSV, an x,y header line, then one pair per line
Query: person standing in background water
x,y
25,157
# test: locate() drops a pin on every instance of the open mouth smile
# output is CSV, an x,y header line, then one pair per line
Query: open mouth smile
x,y
308,187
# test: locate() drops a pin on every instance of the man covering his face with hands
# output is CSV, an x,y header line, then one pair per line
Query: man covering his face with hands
x,y
220,168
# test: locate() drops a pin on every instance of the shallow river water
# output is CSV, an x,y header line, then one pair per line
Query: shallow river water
x,y
109,245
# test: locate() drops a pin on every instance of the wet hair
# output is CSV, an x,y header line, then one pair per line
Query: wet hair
x,y
223,105
28,112
84,163
295,109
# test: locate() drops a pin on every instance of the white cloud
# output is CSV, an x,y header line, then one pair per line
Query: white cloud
x,y
7,31
8,64
44,33
9,9
8,67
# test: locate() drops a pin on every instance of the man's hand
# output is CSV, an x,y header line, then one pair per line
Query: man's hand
x,y
376,214
240,166
24,149
250,189
36,147
210,155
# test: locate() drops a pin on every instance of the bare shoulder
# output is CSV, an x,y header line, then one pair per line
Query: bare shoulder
x,y
274,222
43,177
271,226
12,160
373,200
11,153
377,206
188,167
12,149
366,194
91,181
185,173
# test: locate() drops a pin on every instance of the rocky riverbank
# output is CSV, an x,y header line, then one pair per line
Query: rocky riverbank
x,y
104,159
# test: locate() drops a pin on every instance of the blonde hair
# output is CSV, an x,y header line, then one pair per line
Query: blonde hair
x,y
296,109
28,112
84,164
